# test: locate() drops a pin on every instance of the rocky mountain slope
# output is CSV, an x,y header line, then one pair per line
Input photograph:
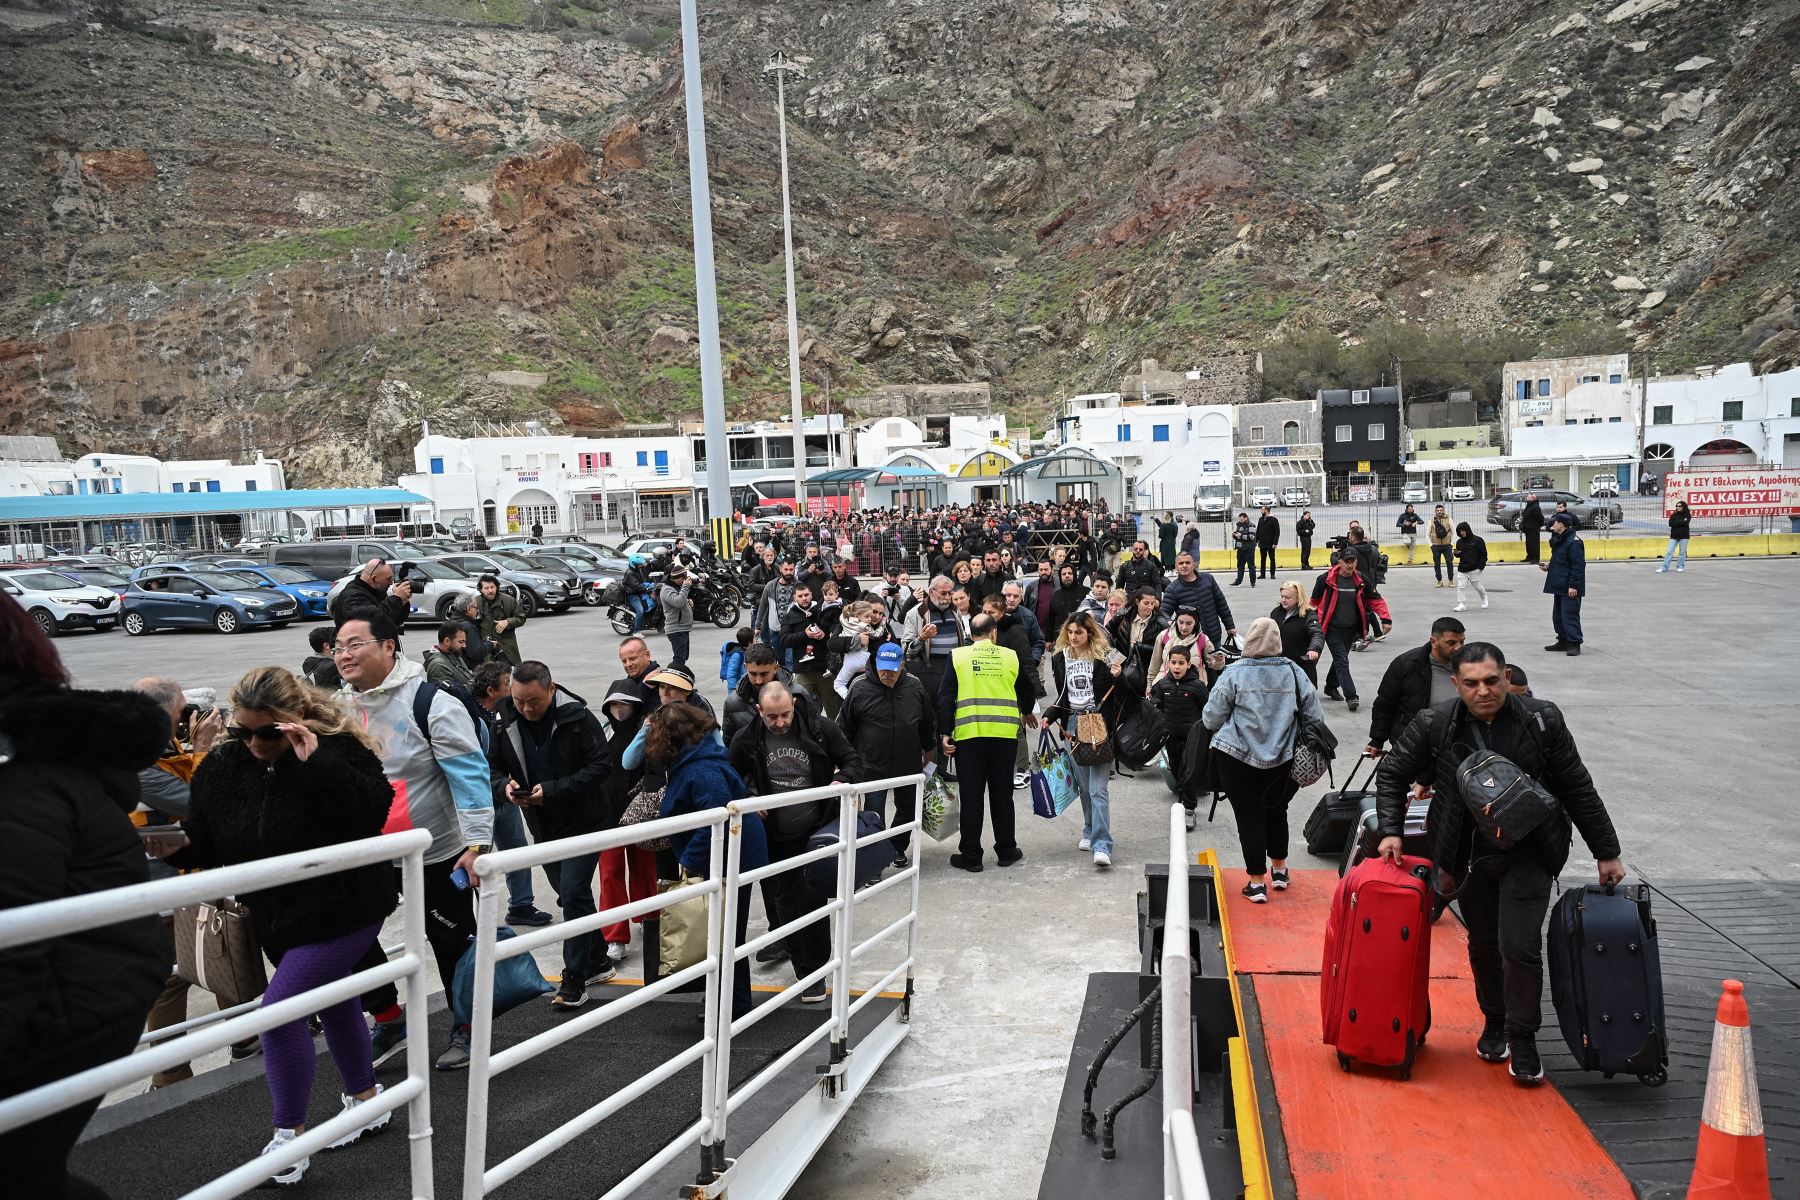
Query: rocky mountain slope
x,y
305,226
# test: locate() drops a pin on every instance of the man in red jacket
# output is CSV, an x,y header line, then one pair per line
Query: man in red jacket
x,y
1341,597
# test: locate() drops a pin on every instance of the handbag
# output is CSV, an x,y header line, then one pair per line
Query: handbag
x,y
682,928
644,805
1092,742
517,981
1314,744
216,949
1053,786
940,807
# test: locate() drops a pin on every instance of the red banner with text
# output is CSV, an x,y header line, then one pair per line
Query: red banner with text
x,y
1742,492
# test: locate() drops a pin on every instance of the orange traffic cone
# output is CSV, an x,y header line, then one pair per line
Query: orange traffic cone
x,y
1733,1160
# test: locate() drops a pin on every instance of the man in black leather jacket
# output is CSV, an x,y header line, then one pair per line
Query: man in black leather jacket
x,y
1502,894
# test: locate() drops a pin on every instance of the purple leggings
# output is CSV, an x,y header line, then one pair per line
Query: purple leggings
x,y
288,1056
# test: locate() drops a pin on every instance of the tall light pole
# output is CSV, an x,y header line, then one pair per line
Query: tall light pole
x,y
706,291
780,65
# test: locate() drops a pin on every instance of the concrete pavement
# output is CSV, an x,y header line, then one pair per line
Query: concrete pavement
x,y
1681,703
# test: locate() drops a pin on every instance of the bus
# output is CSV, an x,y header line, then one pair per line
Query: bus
x,y
778,492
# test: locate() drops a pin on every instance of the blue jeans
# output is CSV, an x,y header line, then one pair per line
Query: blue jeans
x,y
573,879
906,807
678,648
1096,802
1338,640
1670,552
640,608
1565,618
509,834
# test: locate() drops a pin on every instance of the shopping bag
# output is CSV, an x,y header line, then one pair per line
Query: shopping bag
x,y
216,949
516,981
1053,786
940,806
683,928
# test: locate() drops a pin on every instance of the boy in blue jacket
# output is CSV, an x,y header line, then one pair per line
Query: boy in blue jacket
x,y
731,659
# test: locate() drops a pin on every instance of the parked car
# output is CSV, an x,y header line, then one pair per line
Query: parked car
x,y
227,601
115,579
1296,497
1603,485
1415,493
1262,495
600,558
436,584
308,591
1459,491
1503,510
592,581
541,586
1535,483
59,602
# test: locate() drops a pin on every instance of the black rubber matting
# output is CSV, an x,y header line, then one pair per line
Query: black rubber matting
x,y
1707,931
165,1144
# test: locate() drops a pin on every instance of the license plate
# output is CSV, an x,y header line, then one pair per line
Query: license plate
x,y
104,623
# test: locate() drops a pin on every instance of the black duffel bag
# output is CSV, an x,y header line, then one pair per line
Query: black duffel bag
x,y
1140,735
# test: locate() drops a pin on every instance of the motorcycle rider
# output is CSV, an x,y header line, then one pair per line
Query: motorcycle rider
x,y
637,589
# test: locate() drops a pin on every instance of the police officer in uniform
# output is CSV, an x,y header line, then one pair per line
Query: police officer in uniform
x,y
984,697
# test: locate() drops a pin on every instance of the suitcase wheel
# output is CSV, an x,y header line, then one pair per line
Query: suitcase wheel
x,y
1344,1060
1654,1078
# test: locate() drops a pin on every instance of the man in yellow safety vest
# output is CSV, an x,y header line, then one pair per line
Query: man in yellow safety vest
x,y
983,699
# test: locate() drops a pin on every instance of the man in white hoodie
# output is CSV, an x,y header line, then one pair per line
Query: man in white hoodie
x,y
443,768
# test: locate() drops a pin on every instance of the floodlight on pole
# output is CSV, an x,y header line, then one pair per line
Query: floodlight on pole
x,y
780,65
706,291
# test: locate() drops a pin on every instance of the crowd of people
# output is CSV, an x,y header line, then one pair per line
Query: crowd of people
x,y
1019,619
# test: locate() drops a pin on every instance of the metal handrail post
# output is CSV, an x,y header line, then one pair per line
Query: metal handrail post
x,y
849,802
481,1041
727,979
1177,1005
418,1048
712,1144
917,844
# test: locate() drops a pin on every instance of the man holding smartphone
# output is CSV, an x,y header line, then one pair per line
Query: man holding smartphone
x,y
553,751
374,593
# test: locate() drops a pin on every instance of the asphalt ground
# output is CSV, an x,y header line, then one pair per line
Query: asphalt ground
x,y
1682,704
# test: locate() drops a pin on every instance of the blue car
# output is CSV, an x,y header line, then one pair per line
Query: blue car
x,y
224,600
308,590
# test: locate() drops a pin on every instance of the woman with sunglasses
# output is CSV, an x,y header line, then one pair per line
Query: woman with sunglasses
x,y
298,774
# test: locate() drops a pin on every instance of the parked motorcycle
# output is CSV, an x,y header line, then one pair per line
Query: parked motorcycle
x,y
713,601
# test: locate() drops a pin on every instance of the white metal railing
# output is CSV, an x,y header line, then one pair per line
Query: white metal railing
x,y
1183,1176
725,879
58,918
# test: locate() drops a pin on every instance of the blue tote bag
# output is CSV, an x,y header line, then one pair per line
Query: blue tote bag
x,y
516,981
1053,786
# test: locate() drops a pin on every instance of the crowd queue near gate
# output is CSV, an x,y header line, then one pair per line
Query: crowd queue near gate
x,y
985,641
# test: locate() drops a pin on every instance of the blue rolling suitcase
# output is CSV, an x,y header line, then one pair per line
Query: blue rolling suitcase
x,y
871,860
1606,981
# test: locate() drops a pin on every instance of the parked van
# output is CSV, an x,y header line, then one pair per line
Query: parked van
x,y
335,559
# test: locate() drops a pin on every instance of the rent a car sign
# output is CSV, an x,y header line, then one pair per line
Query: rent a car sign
x,y
1751,492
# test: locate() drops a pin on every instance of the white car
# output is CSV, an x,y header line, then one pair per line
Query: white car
x,y
1603,485
1415,493
1296,497
1460,491
1260,496
59,602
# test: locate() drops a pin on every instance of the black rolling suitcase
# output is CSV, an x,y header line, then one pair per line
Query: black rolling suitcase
x,y
1328,828
1606,981
1366,838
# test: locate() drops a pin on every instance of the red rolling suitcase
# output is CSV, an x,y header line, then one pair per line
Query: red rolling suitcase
x,y
1374,986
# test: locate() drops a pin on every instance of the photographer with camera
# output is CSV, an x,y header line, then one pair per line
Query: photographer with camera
x,y
376,591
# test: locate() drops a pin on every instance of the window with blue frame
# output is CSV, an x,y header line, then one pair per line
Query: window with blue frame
x,y
1124,433
643,458
1159,433
81,487
212,485
437,466
249,485
1523,389
662,462
194,487
175,488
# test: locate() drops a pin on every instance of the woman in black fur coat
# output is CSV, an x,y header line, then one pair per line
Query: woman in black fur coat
x,y
298,774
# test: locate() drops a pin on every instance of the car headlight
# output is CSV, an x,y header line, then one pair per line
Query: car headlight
x,y
252,602
69,599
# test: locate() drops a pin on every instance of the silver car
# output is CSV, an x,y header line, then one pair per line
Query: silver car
x,y
1504,510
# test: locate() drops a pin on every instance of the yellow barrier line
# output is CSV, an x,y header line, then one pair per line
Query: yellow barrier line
x,y
1599,549
1253,1152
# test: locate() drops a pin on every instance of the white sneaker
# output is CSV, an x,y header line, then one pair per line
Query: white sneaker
x,y
1102,859
1019,779
1484,602
1681,568
287,1176
1084,844
1460,608
1660,570
617,951
351,1102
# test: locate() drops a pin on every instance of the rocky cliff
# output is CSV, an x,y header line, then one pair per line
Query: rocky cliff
x,y
305,228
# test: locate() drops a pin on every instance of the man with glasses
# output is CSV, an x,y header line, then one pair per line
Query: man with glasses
x,y
441,771
931,631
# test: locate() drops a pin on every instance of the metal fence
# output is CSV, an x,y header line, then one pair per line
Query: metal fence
x,y
169,1049
724,879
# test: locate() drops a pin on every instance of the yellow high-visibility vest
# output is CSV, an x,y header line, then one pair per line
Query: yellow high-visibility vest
x,y
987,691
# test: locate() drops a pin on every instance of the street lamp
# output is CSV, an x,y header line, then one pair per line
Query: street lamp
x,y
780,65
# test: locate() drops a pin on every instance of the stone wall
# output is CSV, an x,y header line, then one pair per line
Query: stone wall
x,y
920,400
1219,379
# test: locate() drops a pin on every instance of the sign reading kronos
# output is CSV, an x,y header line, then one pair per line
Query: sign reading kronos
x,y
1749,492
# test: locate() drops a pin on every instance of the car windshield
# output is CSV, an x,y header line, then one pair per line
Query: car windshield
x,y
45,581
439,569
515,562
227,581
407,551
101,575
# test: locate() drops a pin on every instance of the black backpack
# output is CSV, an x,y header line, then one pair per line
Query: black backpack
x,y
1507,804
422,708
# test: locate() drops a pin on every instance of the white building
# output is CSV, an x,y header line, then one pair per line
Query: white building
x,y
566,484
877,441
1592,389
762,455
1166,452
35,466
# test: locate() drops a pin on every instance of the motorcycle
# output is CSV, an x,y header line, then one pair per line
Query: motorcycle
x,y
712,599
